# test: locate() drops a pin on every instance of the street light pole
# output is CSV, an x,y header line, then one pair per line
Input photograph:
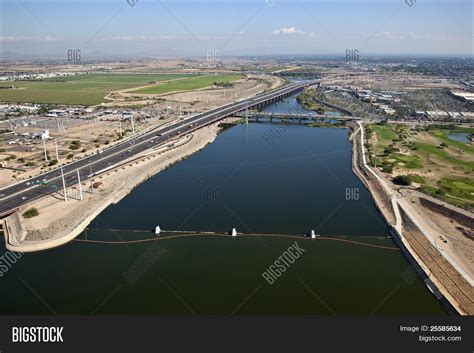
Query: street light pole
x,y
57,153
44,146
64,184
80,186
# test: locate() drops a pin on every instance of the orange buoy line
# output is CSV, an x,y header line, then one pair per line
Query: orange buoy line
x,y
324,238
228,236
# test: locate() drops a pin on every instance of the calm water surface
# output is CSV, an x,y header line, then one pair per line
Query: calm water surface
x,y
460,137
300,179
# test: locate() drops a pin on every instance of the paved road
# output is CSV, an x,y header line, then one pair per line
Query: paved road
x,y
23,192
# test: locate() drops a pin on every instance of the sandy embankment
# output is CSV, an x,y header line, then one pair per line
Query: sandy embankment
x,y
60,222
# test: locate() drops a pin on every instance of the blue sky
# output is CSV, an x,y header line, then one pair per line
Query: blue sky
x,y
190,27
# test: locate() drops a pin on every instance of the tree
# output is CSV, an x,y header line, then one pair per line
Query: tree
x,y
32,212
403,180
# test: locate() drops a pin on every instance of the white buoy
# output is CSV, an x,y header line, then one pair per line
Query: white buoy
x,y
157,230
234,232
313,234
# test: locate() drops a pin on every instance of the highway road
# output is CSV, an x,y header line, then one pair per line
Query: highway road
x,y
15,195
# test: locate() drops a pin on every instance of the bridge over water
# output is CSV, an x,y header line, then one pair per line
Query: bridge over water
x,y
296,116
18,194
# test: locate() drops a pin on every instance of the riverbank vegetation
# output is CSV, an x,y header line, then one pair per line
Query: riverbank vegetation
x,y
307,101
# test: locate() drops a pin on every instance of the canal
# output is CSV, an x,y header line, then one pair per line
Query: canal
x,y
257,178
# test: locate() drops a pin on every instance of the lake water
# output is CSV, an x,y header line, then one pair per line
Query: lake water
x,y
459,136
260,178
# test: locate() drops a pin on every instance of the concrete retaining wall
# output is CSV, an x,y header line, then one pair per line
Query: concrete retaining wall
x,y
13,229
462,218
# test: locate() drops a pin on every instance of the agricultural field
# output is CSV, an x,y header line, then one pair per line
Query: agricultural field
x,y
89,89
438,160
188,84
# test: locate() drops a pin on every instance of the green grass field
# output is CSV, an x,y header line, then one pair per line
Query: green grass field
x,y
187,84
444,156
443,135
449,162
409,162
385,134
81,90
459,192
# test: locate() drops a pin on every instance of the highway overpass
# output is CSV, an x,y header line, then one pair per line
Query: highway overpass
x,y
16,195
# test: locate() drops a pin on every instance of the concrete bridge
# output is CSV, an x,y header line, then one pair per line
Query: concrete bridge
x,y
295,116
297,73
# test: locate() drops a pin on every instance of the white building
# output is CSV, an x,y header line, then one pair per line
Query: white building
x,y
45,134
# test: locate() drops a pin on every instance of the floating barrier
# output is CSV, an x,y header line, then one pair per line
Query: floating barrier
x,y
197,234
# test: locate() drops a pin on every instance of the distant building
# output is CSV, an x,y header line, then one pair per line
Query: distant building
x,y
455,115
55,113
467,116
387,110
367,98
466,96
437,114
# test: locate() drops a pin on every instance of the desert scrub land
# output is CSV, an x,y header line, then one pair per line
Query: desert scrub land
x,y
436,159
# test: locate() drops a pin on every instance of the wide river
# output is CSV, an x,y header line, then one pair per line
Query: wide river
x,y
261,178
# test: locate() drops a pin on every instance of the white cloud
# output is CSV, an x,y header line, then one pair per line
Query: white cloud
x,y
288,30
